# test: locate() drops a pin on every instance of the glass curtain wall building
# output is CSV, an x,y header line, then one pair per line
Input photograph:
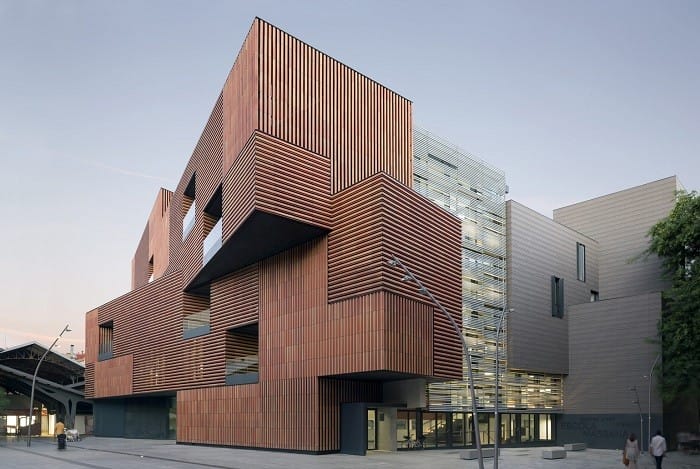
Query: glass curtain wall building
x,y
475,192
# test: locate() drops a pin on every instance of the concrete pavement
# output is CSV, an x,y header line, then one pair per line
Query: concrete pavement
x,y
102,453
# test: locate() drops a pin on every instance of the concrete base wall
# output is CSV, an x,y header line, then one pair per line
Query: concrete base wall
x,y
604,431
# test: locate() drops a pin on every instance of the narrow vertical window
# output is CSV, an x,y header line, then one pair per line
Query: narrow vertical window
x,y
557,297
581,262
106,341
188,208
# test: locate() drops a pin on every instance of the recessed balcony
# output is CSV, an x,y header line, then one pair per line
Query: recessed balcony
x,y
212,243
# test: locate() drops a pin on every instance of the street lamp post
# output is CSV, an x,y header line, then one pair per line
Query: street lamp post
x,y
36,371
651,374
641,418
409,277
498,424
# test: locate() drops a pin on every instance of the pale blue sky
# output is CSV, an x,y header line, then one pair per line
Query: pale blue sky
x,y
101,103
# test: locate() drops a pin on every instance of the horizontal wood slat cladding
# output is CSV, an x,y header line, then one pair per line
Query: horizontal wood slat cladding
x,y
241,98
278,178
292,182
90,380
315,102
159,233
154,244
238,190
205,165
234,300
380,217
114,377
139,263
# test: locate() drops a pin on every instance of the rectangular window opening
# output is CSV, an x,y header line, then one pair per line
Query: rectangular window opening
x,y
106,341
557,297
242,359
197,316
581,262
212,227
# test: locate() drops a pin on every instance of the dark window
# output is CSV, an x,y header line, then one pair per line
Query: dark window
x,y
106,341
581,262
557,297
242,361
595,296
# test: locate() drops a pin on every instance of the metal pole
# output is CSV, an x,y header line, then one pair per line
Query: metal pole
x,y
641,419
651,374
31,399
421,289
498,425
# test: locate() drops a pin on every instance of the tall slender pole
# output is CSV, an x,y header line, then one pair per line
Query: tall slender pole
x,y
651,374
421,289
498,424
31,399
641,419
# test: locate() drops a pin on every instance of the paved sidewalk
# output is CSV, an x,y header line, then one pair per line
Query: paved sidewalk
x,y
102,453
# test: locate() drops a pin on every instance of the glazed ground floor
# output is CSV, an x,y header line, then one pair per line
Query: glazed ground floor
x,y
360,426
417,428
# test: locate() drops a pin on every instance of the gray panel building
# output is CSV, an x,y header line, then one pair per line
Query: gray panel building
x,y
586,303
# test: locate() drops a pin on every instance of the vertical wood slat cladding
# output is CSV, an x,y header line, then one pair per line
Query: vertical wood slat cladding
x,y
114,377
378,331
304,100
91,336
241,99
292,297
234,300
333,392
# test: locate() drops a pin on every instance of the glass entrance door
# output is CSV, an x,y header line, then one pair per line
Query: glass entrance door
x,y
371,429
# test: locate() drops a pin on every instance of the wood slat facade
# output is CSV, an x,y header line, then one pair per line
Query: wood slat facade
x,y
298,311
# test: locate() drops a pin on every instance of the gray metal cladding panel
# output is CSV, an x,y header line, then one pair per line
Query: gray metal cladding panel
x,y
603,431
539,248
610,352
620,222
109,417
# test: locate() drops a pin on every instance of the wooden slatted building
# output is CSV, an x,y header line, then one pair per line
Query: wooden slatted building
x,y
263,311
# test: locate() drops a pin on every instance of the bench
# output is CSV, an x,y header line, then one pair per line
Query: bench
x,y
474,454
554,453
575,446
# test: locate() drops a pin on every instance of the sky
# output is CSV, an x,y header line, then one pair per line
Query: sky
x,y
102,103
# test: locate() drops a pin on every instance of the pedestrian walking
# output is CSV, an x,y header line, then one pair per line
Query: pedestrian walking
x,y
630,453
657,448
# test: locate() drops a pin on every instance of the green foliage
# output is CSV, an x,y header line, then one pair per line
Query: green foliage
x,y
676,240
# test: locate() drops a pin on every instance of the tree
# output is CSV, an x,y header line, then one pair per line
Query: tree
x,y
676,240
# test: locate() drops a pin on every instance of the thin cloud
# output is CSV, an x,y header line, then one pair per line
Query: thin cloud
x,y
125,172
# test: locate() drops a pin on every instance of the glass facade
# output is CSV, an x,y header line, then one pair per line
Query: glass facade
x,y
475,192
426,429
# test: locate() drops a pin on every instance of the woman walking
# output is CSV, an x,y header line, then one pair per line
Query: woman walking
x,y
631,452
